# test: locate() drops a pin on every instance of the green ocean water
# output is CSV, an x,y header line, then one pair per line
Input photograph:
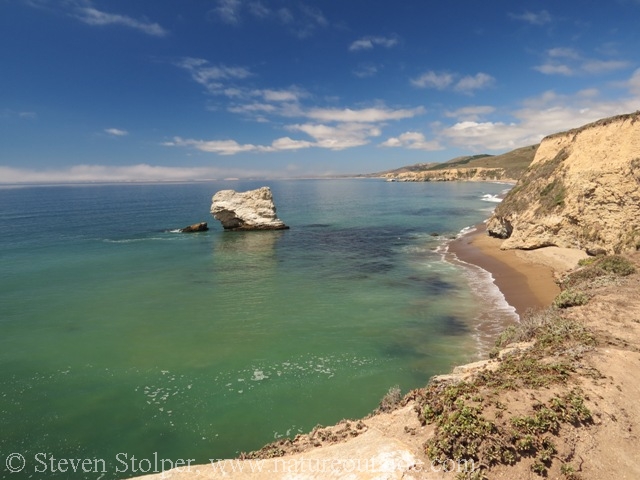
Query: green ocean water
x,y
119,336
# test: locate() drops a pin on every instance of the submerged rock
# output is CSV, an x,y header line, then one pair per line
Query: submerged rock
x,y
252,210
196,227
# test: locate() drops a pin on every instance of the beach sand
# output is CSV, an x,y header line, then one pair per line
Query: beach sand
x,y
526,279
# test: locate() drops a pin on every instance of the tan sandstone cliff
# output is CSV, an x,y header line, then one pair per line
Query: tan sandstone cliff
x,y
474,174
582,190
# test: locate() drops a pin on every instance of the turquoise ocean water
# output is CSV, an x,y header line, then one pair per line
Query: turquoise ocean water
x,y
118,336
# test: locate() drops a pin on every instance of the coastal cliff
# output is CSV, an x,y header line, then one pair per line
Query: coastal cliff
x,y
477,174
582,190
507,167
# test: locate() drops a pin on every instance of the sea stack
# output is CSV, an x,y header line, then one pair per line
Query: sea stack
x,y
251,210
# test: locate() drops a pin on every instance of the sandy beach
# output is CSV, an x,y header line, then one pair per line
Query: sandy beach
x,y
526,279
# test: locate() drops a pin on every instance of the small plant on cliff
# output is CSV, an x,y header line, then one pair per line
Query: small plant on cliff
x,y
391,399
570,298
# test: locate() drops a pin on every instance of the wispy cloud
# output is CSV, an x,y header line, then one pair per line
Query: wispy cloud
x,y
445,80
568,61
93,16
367,43
470,83
364,115
116,132
433,79
86,12
300,19
540,18
222,147
365,70
412,141
25,115
212,77
129,173
228,11
470,113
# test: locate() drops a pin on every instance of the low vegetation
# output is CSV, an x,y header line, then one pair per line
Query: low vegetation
x,y
471,422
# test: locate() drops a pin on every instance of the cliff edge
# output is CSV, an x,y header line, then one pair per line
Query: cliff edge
x,y
582,190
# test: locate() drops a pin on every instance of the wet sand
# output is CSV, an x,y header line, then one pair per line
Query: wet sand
x,y
524,284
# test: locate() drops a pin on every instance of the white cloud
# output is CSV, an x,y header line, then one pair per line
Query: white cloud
x,y
340,137
129,173
444,80
554,69
286,143
471,113
303,21
568,62
634,82
116,132
563,52
367,43
8,113
432,79
212,76
412,141
291,95
221,147
534,18
603,66
365,115
476,82
257,9
228,11
365,70
93,16
540,116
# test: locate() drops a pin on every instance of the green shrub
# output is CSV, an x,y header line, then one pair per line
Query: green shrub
x,y
616,264
570,298
609,265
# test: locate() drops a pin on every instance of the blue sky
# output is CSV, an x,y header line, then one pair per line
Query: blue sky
x,y
152,90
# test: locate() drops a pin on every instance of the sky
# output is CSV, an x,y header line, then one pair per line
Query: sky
x,y
155,90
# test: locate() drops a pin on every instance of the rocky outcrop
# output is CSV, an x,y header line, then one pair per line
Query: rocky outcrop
x,y
252,210
582,190
477,174
196,227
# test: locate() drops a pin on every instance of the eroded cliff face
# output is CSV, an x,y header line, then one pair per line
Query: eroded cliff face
x,y
474,174
582,190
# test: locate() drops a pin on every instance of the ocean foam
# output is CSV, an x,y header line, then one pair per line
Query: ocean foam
x,y
495,312
491,198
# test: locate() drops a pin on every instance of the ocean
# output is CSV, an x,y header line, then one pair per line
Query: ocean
x,y
119,336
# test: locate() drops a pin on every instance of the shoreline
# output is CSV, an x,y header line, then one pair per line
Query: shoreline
x,y
526,281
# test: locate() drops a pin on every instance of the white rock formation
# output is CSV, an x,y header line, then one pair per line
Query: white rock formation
x,y
252,210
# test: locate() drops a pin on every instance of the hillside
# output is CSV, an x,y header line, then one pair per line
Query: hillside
x,y
581,191
507,166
